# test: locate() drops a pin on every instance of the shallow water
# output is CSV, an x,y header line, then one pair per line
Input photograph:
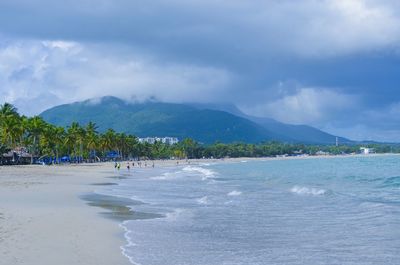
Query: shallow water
x,y
311,211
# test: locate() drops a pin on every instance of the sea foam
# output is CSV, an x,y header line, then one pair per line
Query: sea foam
x,y
206,173
175,214
234,193
130,243
166,176
307,191
202,200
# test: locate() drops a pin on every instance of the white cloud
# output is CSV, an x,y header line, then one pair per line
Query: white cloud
x,y
38,74
327,28
349,26
65,46
365,132
303,27
305,106
204,51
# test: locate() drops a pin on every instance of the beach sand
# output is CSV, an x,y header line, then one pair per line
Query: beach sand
x,y
44,221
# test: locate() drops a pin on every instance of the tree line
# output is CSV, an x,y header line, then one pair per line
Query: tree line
x,y
85,143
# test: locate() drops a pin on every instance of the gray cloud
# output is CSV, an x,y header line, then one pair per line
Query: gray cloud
x,y
307,106
213,28
58,72
332,64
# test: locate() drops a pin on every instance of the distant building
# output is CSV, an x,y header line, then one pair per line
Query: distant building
x,y
164,140
366,150
170,140
298,153
18,155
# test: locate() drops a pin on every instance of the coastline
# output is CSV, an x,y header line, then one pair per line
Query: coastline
x,y
46,214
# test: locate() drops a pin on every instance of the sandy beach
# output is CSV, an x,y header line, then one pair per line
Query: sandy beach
x,y
43,220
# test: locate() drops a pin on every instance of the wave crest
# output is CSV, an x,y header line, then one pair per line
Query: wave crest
x,y
206,173
234,193
166,176
202,200
307,191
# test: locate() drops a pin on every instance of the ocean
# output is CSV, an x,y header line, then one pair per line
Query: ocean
x,y
297,211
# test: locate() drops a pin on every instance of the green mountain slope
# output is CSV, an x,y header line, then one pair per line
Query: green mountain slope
x,y
298,133
161,119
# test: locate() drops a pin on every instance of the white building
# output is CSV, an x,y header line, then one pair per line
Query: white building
x,y
366,150
164,140
169,140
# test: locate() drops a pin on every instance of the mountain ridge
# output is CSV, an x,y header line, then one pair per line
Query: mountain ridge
x,y
301,133
160,119
151,118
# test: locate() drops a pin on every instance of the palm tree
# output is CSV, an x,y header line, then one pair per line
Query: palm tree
x,y
132,145
74,139
10,125
108,140
52,139
91,139
7,110
11,130
189,146
34,127
81,134
122,144
58,134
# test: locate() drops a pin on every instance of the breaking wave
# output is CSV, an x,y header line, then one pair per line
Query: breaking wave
x,y
202,200
234,193
165,176
307,191
206,173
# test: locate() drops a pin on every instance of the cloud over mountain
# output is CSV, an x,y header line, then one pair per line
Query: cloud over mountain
x,y
332,64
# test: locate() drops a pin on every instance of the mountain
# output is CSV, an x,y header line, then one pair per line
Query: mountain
x,y
301,133
161,119
205,123
298,133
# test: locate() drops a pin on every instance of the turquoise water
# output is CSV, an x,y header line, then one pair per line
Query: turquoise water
x,y
310,211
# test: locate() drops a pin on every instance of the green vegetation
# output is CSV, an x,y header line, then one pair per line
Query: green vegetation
x,y
151,119
204,123
41,139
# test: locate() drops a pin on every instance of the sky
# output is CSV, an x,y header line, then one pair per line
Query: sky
x,y
332,64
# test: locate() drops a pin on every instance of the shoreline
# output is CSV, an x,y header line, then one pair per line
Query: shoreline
x,y
53,215
173,162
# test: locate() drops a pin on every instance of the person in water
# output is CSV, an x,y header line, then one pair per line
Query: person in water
x,y
118,166
128,166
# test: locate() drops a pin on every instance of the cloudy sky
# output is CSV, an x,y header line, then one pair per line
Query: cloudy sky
x,y
333,64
